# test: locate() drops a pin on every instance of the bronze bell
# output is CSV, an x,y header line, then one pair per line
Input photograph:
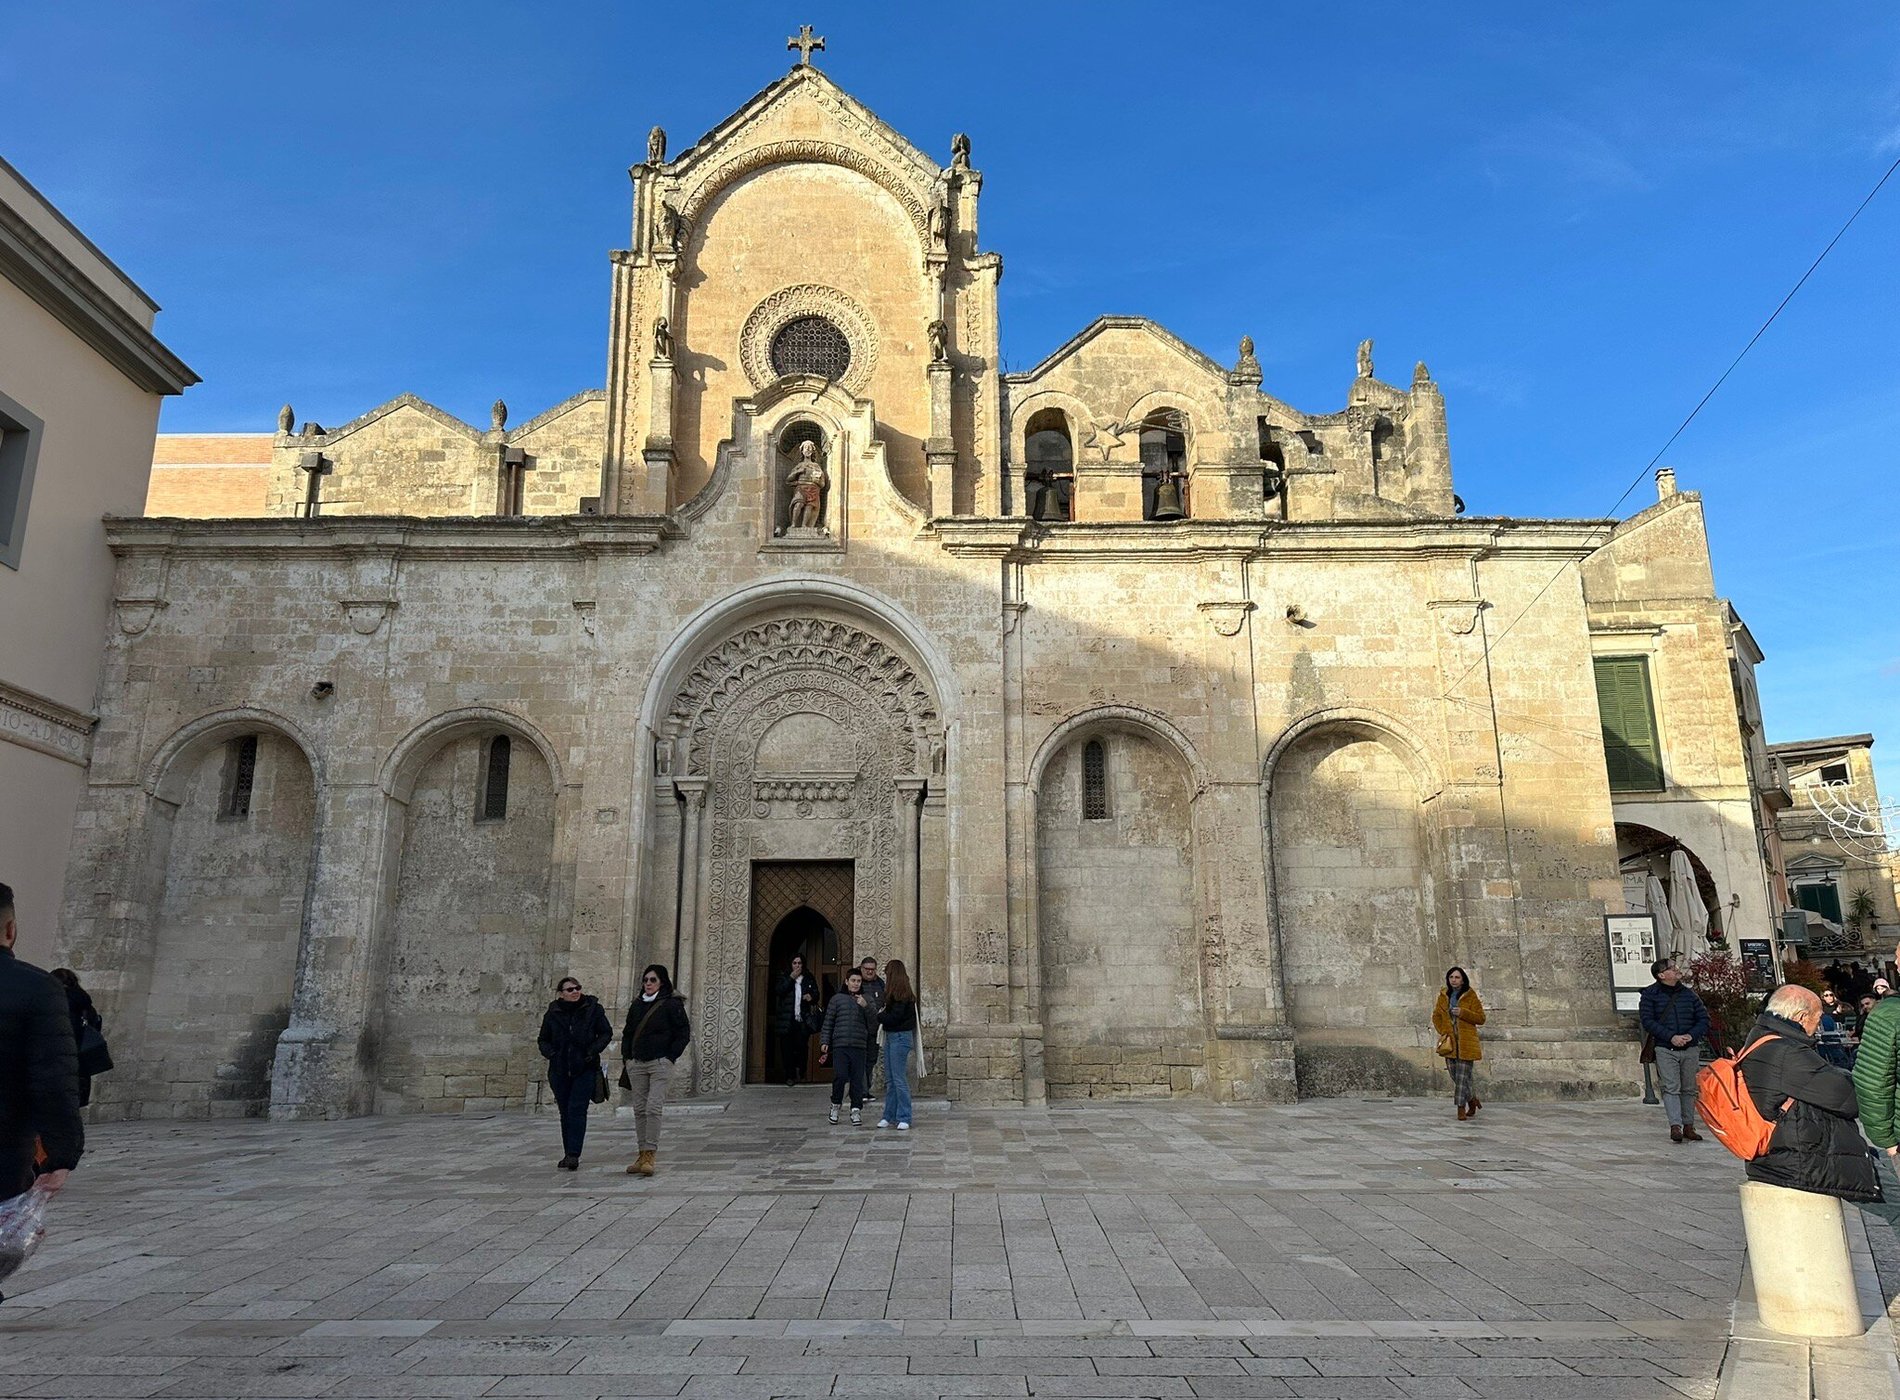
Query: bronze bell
x,y
1168,498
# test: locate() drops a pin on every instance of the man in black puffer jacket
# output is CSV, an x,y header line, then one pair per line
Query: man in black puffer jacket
x,y
1817,1145
39,1069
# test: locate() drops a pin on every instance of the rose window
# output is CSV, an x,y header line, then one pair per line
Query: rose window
x,y
810,345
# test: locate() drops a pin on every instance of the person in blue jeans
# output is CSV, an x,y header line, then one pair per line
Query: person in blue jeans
x,y
898,1018
573,1033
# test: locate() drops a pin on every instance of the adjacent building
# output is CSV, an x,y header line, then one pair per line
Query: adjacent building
x,y
1840,865
81,379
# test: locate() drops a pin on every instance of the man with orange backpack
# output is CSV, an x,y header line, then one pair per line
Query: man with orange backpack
x,y
1816,1144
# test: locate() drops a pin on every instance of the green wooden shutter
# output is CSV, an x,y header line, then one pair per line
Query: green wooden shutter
x,y
1630,748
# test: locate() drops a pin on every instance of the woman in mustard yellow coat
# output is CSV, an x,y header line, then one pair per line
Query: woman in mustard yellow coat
x,y
1456,1018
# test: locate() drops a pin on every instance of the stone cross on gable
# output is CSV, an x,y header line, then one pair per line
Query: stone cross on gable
x,y
804,41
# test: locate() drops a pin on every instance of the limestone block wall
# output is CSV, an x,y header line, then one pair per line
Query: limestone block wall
x,y
1116,908
471,960
1357,900
223,952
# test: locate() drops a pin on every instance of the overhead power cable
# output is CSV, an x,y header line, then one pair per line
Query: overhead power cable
x,y
1610,525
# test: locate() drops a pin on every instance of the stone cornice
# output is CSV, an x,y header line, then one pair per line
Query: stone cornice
x,y
354,536
34,722
56,283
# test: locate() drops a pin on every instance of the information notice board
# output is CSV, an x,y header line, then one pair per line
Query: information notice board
x,y
1632,940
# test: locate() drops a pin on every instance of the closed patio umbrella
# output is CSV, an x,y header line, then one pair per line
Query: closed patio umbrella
x,y
1686,908
1665,926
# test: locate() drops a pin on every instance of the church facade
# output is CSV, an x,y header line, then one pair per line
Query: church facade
x,y
1164,729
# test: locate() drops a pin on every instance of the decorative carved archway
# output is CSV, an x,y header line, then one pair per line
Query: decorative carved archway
x,y
859,804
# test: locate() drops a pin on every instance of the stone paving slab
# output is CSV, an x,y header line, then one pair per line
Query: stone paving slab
x,y
1330,1248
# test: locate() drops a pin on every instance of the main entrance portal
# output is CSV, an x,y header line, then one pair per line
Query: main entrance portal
x,y
802,907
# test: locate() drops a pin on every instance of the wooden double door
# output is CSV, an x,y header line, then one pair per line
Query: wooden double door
x,y
803,908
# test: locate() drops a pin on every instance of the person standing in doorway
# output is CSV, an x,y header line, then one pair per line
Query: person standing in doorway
x,y
794,1013
845,1039
899,1022
573,1033
656,1035
1456,1018
1675,1018
39,1071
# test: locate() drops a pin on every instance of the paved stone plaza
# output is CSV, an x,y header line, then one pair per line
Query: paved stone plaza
x,y
1329,1248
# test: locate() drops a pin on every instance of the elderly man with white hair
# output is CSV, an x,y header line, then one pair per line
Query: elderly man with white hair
x,y
1816,1145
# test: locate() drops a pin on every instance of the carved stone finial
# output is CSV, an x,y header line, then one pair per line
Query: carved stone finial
x,y
662,339
960,152
939,342
1365,358
1247,365
286,420
656,146
1420,375
498,416
311,429
805,42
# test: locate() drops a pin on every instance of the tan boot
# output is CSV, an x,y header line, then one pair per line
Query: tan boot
x,y
645,1165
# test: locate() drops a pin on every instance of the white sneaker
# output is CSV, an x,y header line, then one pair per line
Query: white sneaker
x,y
884,1122
903,1127
857,1118
834,1113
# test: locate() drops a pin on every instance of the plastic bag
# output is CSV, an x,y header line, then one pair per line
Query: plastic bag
x,y
22,1227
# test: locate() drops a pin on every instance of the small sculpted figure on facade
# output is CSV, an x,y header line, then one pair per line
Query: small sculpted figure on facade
x,y
939,222
806,482
662,339
960,152
286,420
498,416
939,343
1365,359
672,227
1248,364
656,146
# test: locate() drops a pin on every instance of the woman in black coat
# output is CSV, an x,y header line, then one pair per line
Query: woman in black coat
x,y
84,1014
795,1013
573,1033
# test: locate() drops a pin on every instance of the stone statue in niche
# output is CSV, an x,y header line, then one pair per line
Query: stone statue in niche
x,y
939,343
805,485
656,146
662,339
1365,359
939,221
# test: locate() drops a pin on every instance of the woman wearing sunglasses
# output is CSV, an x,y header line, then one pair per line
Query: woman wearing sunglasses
x,y
573,1033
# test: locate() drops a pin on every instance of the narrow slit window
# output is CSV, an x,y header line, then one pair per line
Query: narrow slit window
x,y
1094,781
242,761
495,781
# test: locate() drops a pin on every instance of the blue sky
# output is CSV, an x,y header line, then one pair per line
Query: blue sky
x,y
1576,214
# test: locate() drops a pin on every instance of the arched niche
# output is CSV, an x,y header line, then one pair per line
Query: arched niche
x,y
1356,883
467,953
1123,995
230,849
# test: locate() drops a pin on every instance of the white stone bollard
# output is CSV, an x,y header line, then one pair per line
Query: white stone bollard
x,y
1797,1252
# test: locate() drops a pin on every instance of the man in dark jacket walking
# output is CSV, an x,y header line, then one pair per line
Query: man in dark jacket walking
x,y
1816,1145
39,1070
1675,1018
